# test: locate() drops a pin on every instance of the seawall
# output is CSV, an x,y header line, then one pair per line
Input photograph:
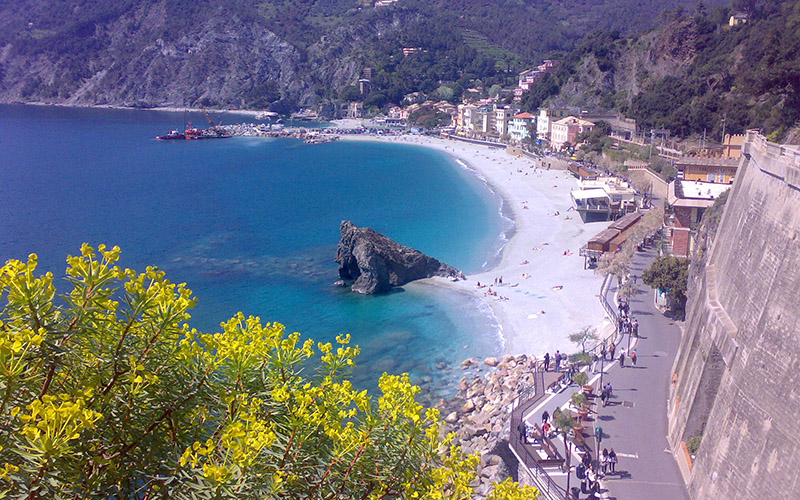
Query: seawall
x,y
737,375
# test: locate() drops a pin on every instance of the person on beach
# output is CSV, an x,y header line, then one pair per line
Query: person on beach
x,y
546,361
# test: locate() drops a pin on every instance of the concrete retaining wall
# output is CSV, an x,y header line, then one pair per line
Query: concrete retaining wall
x,y
737,374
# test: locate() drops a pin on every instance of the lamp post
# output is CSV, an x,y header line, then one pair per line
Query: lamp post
x,y
602,363
568,450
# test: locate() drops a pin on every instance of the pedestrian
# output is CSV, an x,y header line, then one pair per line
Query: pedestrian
x,y
546,361
603,351
633,357
586,459
522,430
595,362
604,397
558,360
636,328
604,461
580,471
622,360
545,417
608,388
591,477
612,461
612,350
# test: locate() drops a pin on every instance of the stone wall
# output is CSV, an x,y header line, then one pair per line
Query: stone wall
x,y
737,374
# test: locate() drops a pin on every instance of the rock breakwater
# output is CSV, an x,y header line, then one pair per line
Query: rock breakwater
x,y
480,414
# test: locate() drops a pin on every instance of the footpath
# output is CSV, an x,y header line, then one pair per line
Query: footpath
x,y
634,422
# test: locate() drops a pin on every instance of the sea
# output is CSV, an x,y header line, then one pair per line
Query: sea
x,y
252,225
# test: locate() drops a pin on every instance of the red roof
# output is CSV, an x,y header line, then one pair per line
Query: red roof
x,y
524,115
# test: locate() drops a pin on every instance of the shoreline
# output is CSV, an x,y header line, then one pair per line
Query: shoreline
x,y
170,109
534,314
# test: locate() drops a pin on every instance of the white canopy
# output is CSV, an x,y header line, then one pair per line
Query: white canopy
x,y
584,194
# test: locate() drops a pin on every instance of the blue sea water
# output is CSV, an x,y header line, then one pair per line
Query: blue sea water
x,y
252,224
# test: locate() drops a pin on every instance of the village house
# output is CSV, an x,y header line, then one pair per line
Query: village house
x,y
531,76
719,170
520,125
545,120
689,200
502,120
566,130
737,19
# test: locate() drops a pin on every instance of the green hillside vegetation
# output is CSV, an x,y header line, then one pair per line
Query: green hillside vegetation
x,y
158,53
717,76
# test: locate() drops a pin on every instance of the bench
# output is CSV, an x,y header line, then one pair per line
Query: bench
x,y
549,453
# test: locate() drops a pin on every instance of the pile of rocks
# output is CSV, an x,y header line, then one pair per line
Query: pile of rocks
x,y
480,414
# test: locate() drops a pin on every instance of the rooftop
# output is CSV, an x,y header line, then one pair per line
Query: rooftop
x,y
699,194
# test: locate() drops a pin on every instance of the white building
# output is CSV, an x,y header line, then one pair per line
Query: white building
x,y
518,129
545,120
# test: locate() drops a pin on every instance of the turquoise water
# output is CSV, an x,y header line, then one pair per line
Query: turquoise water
x,y
252,224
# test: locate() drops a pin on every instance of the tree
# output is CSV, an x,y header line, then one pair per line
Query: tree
x,y
583,336
109,393
615,263
669,274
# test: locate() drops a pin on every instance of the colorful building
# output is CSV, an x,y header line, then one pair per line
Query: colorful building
x,y
689,200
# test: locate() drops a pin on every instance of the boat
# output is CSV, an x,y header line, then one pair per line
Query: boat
x,y
173,135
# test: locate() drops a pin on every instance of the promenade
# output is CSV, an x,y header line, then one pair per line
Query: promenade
x,y
634,422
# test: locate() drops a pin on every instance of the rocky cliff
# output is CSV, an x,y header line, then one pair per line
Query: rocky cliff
x,y
377,263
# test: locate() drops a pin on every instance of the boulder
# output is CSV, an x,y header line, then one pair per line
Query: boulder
x,y
378,263
451,418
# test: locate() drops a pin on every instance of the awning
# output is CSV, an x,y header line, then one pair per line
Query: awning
x,y
584,194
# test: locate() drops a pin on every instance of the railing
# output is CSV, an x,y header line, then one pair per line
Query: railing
x,y
524,402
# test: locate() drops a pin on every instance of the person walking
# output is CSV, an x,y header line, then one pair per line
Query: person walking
x,y
636,328
633,357
545,417
558,360
604,461
611,351
612,461
622,360
546,361
604,397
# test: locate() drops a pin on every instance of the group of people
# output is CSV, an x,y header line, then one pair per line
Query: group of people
x,y
558,359
590,473
625,322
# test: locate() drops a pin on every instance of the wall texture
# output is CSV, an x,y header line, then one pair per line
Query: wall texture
x,y
737,374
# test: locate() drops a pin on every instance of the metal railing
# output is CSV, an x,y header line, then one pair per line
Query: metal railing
x,y
522,403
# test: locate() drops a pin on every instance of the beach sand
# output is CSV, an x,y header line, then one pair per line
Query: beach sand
x,y
537,313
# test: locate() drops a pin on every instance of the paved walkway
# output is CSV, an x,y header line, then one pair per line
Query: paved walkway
x,y
635,421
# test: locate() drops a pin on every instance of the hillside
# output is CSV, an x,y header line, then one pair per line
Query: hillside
x,y
282,53
693,75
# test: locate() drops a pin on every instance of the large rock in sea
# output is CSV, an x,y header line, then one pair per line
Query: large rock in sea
x,y
377,263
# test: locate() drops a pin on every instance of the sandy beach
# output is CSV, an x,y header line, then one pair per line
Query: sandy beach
x,y
545,293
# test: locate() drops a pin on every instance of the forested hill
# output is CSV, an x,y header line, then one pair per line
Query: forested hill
x,y
284,53
694,74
